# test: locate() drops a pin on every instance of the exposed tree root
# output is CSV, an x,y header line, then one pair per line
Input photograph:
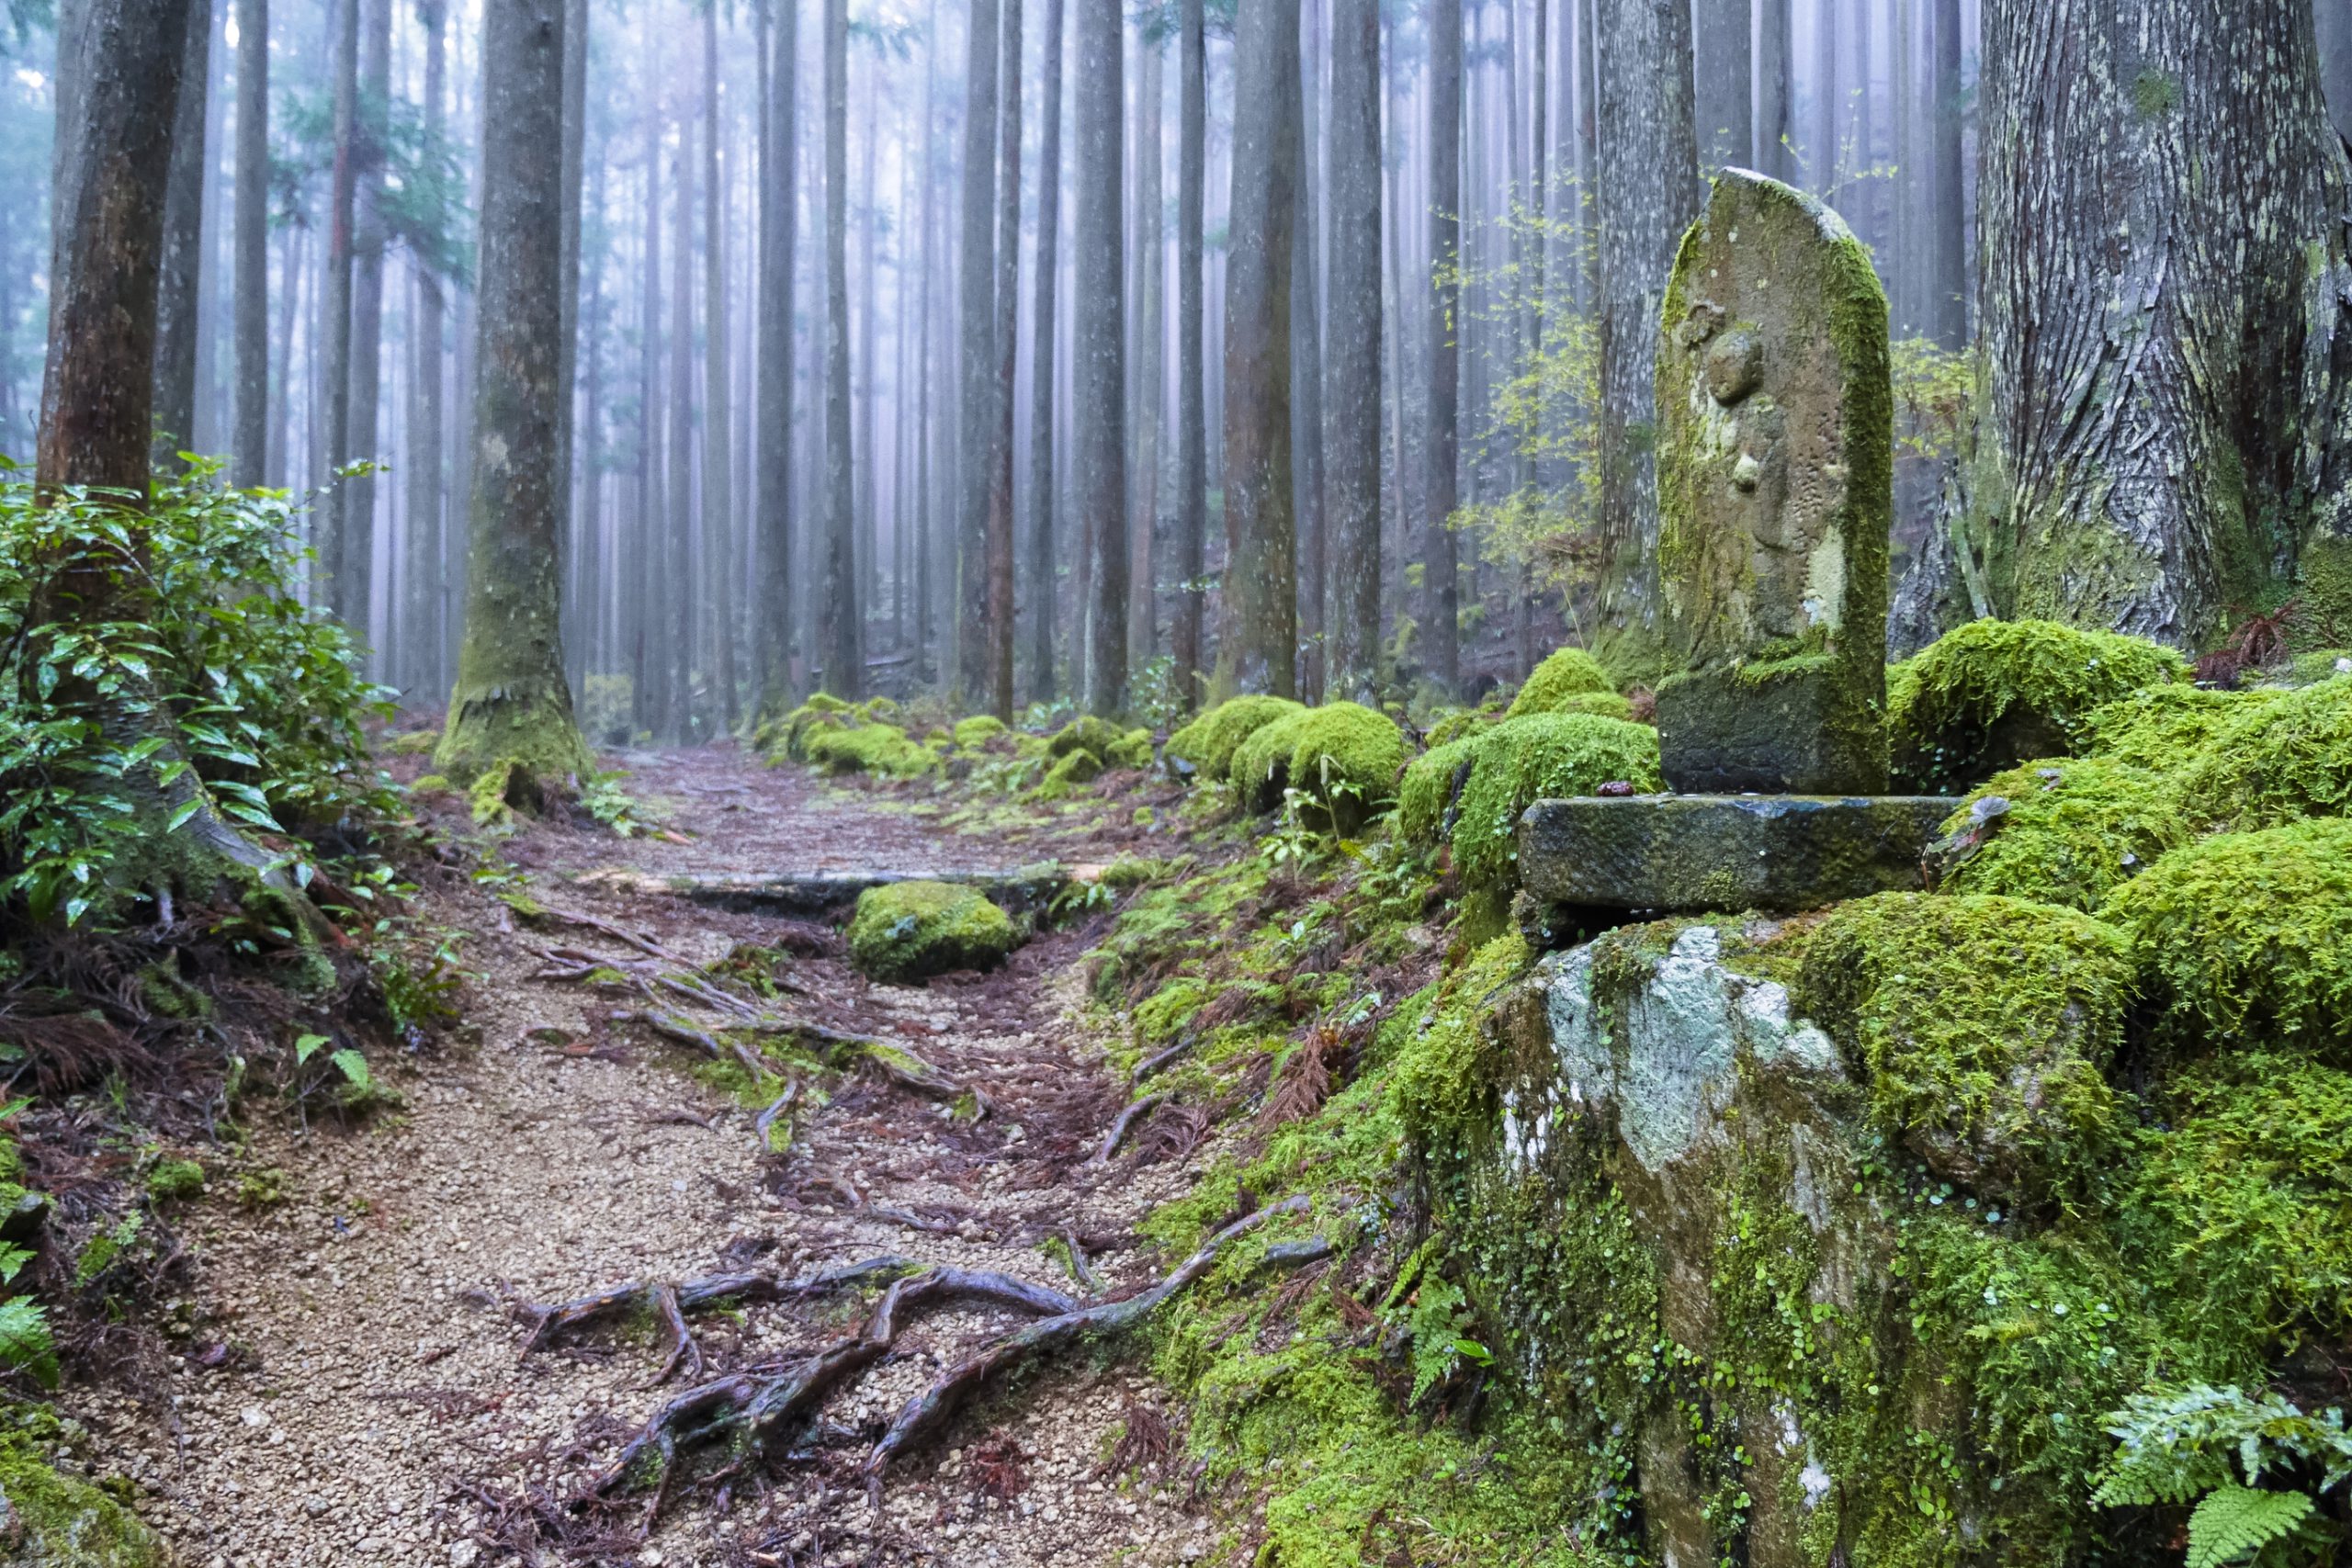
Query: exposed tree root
x,y
744,1415
1154,1063
1135,1111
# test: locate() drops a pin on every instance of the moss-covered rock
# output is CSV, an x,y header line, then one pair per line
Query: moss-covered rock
x,y
2242,939
1345,758
1261,765
65,1522
2160,727
1522,761
2073,829
1086,733
904,932
978,730
880,750
1982,1026
1069,771
2287,755
1991,694
1429,788
1568,672
1207,744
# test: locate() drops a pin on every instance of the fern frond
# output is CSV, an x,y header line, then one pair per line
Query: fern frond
x,y
2234,1522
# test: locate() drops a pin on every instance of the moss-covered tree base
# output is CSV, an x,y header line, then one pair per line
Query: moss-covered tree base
x,y
495,726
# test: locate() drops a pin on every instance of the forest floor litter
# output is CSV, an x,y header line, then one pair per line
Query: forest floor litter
x,y
367,1387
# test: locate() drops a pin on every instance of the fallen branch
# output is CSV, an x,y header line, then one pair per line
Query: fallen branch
x,y
767,1119
1135,1111
1151,1065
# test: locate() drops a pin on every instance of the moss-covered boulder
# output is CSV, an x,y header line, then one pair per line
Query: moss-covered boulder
x,y
1432,782
1085,733
904,932
880,750
2062,830
1981,1026
2246,938
61,1521
1345,758
1568,672
1206,745
1991,694
1261,765
2285,756
1522,761
1069,771
978,730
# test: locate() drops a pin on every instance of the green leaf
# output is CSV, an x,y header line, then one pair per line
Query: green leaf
x,y
25,1341
12,1260
2234,1522
355,1067
181,813
307,1047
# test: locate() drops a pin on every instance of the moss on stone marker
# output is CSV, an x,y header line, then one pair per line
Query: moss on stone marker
x,y
904,932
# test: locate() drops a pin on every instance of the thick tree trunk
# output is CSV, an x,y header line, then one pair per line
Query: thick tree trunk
x,y
1352,350
1726,119
1191,418
1307,477
1440,633
1776,125
2165,358
1648,193
1532,291
771,618
512,701
369,238
997,687
248,464
180,299
1099,322
1259,635
844,650
976,261
718,454
647,689
334,391
1150,328
1946,222
1041,363
679,642
575,142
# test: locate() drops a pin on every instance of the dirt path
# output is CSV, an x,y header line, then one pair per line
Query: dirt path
x,y
367,1393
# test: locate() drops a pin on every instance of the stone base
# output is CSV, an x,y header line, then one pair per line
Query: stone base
x,y
1791,729
1682,852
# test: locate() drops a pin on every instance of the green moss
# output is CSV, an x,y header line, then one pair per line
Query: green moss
x,y
174,1179
1071,770
1445,1081
1086,733
2077,828
2320,664
1209,741
1541,756
1427,789
2246,938
1570,671
1345,758
1261,765
906,931
2287,756
978,730
433,783
1991,693
2161,727
519,723
2323,589
1460,724
504,788
66,1522
881,751
1982,1026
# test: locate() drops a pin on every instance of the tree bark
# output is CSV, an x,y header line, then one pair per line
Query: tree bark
x,y
249,458
426,484
1191,418
1726,107
1307,477
327,575
1258,639
1041,363
976,309
1776,126
179,301
718,454
1947,224
1149,259
2165,398
844,651
1648,193
1006,336
512,701
1352,350
1441,613
1099,323
575,144
358,508
679,641
771,618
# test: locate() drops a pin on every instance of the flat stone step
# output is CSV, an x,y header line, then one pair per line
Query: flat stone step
x,y
821,893
1676,853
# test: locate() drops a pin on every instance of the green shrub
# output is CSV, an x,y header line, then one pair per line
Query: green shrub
x,y
2076,827
1541,756
1991,693
2245,938
266,699
1345,759
1569,673
1982,1026
1209,741
905,932
1261,765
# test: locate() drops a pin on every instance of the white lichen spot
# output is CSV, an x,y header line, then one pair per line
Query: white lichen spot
x,y
1815,1481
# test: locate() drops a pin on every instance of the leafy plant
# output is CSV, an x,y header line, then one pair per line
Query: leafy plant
x,y
2215,1446
608,803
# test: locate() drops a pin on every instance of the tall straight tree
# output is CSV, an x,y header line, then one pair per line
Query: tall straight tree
x,y
771,619
327,580
679,646
718,454
1947,217
575,142
1726,119
1191,414
1531,260
249,447
1256,643
976,312
1099,323
845,613
1351,349
997,686
2159,469
427,490
179,300
512,701
1647,193
369,239
1776,125
1041,360
1440,612
1143,415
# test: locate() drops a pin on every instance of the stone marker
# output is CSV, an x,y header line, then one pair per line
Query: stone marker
x,y
1774,466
